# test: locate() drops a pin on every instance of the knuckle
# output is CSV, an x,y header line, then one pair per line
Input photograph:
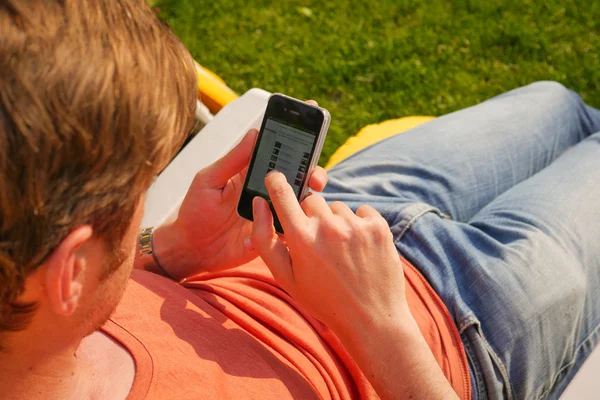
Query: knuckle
x,y
260,235
343,210
363,209
337,204
278,191
379,228
381,222
309,202
336,230
344,235
202,176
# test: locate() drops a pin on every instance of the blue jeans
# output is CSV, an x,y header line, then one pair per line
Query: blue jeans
x,y
498,206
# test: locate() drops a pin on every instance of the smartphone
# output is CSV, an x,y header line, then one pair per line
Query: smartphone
x,y
290,140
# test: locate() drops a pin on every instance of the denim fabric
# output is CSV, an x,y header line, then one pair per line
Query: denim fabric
x,y
498,206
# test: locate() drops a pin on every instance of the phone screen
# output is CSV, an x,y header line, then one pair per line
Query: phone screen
x,y
284,148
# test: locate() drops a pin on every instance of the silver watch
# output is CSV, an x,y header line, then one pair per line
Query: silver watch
x,y
145,241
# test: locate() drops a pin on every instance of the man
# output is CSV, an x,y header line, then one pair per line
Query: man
x,y
501,298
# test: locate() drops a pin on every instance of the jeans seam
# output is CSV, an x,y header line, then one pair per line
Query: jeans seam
x,y
500,365
417,216
477,376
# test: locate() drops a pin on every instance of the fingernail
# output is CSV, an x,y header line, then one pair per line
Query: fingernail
x,y
248,244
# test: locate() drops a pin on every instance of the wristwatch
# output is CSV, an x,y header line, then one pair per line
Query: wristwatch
x,y
145,241
146,246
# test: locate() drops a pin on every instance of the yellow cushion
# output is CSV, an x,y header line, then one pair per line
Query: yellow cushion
x,y
212,90
372,134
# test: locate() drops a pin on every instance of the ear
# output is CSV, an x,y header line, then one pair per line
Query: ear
x,y
64,271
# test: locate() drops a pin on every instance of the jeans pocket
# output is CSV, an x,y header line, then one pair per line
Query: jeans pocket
x,y
489,376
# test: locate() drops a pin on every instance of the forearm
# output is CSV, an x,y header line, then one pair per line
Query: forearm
x,y
396,359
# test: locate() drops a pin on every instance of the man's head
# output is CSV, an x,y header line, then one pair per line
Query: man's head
x,y
95,98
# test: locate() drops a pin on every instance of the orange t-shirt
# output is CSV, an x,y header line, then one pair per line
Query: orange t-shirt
x,y
237,335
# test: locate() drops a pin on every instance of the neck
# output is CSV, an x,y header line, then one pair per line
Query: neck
x,y
30,369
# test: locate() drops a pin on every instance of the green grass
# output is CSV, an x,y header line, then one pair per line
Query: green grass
x,y
368,61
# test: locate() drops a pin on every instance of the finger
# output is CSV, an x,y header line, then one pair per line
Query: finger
x,y
366,211
315,206
233,188
284,201
218,173
339,208
312,103
268,245
318,179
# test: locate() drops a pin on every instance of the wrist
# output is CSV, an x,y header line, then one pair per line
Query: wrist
x,y
396,344
377,327
146,256
169,251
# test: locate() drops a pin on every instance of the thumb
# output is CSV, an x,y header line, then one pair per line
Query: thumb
x,y
269,246
218,173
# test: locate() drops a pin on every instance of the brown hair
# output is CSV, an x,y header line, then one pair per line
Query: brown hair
x,y
95,98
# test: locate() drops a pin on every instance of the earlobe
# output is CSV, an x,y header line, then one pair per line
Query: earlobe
x,y
64,271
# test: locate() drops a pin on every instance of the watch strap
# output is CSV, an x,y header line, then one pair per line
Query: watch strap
x,y
145,241
146,248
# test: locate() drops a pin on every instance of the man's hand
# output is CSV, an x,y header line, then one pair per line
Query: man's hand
x,y
342,267
345,270
208,234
